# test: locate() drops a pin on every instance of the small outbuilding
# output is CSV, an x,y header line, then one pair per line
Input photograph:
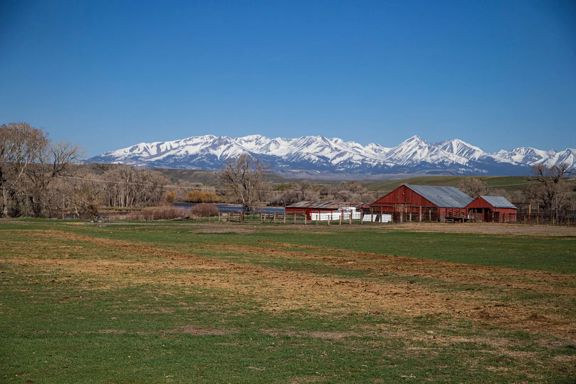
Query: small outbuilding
x,y
323,210
411,202
495,209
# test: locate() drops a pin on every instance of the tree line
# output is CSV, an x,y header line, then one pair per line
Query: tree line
x,y
43,179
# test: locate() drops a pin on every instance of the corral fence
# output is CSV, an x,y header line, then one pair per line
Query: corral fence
x,y
329,218
533,214
526,214
235,213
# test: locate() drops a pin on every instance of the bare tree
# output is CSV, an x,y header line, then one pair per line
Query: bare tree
x,y
20,146
353,191
473,186
550,190
245,178
79,194
286,194
51,163
129,187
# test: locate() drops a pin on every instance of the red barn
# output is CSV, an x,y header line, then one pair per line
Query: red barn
x,y
492,209
423,203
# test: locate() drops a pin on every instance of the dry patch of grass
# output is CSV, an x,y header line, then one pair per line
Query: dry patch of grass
x,y
377,264
281,291
199,331
488,228
325,335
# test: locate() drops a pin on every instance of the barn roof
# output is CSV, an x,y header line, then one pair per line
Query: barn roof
x,y
441,196
330,204
498,201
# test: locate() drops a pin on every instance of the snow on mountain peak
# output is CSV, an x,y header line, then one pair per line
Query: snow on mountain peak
x,y
323,153
461,148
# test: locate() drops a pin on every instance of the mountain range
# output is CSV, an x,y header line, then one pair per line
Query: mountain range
x,y
322,155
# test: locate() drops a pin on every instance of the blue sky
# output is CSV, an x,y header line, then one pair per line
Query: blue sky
x,y
107,74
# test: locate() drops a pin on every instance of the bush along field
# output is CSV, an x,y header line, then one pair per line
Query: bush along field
x,y
237,303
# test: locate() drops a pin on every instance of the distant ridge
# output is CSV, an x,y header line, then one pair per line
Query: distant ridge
x,y
319,154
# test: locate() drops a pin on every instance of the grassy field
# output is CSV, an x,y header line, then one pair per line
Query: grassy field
x,y
224,303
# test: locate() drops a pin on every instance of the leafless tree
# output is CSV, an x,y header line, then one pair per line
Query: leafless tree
x,y
550,190
289,193
473,186
79,194
52,162
353,191
129,187
20,146
245,178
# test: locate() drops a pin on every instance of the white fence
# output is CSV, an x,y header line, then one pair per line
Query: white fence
x,y
335,216
381,218
346,216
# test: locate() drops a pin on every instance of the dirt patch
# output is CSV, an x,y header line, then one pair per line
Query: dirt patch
x,y
198,331
566,359
381,265
112,331
324,335
307,379
488,228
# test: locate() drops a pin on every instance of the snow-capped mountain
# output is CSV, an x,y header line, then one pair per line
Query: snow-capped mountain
x,y
334,155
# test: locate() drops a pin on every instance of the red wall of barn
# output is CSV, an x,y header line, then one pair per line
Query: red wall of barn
x,y
459,213
402,195
479,203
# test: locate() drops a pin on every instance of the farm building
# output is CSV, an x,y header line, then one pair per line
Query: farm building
x,y
492,209
324,210
423,203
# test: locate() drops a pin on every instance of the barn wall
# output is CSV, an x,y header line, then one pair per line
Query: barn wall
x,y
453,214
402,195
479,203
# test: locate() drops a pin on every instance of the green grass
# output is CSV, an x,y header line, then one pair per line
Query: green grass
x,y
554,254
59,325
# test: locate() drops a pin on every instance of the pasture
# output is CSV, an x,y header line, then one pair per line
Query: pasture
x,y
180,302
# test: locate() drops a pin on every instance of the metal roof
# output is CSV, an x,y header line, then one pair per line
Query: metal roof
x,y
330,204
498,202
445,197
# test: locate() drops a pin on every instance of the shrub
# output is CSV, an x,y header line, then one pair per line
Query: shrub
x,y
205,210
202,197
159,213
170,196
